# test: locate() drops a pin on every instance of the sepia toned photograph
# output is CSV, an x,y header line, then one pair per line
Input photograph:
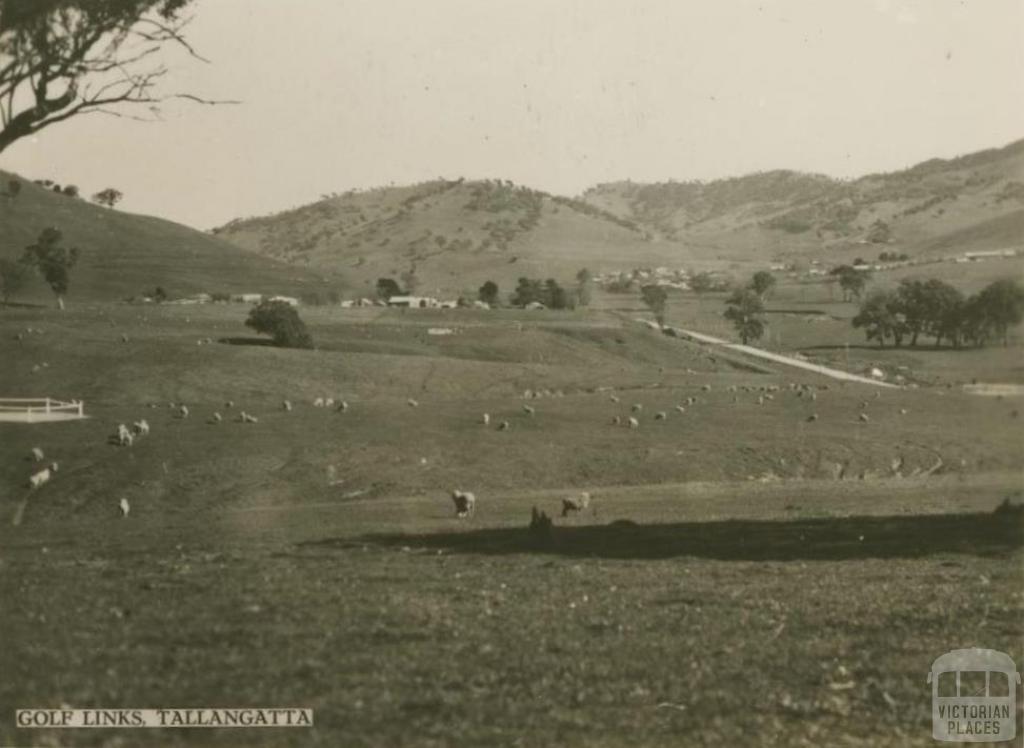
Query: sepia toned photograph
x,y
457,373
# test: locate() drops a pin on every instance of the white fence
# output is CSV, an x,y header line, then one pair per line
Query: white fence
x,y
39,409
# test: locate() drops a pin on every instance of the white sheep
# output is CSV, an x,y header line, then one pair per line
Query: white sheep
x,y
287,406
141,427
37,454
43,476
812,417
633,423
864,417
616,420
903,411
486,420
680,408
504,426
575,503
706,387
528,410
613,398
660,415
229,404
342,406
216,417
637,407
183,411
318,403
124,506
412,403
329,402
465,503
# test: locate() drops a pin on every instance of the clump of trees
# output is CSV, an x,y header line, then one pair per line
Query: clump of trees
x,y
388,287
745,310
851,280
52,261
584,287
549,293
936,309
656,299
281,322
488,293
109,197
762,283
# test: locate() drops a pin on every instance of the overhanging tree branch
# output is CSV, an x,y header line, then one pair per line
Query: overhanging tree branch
x,y
63,58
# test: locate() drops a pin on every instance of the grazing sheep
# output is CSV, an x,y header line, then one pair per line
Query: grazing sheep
x,y
216,418
43,476
575,503
504,426
769,397
863,404
680,408
329,402
287,406
124,506
760,399
814,396
903,411
413,403
342,406
812,417
124,338
246,418
616,420
637,407
864,418
660,415
633,423
613,398
141,427
465,503
229,404
528,410
706,387
37,454
318,403
486,420
183,411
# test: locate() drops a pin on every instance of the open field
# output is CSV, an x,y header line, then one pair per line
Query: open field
x,y
774,577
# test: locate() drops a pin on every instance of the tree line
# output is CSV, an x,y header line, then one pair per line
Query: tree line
x,y
934,308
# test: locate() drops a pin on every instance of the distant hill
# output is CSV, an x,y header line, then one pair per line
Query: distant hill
x,y
125,255
452,235
934,207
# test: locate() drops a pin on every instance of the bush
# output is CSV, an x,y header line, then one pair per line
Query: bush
x,y
281,322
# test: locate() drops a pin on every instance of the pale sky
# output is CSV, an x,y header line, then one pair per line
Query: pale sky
x,y
555,94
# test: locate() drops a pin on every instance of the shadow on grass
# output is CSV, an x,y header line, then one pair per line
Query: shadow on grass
x,y
246,341
834,539
902,349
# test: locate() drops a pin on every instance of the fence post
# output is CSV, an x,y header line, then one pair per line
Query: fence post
x,y
47,405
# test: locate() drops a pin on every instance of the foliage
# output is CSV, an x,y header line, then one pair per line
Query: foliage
x,y
656,299
879,233
746,312
762,283
881,319
584,287
549,293
63,58
52,261
488,293
851,280
281,321
13,276
937,309
388,287
70,190
703,282
109,197
13,188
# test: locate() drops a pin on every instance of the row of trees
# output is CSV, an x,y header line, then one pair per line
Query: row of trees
x,y
936,309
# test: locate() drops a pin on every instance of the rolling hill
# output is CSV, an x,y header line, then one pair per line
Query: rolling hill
x,y
936,207
126,255
450,236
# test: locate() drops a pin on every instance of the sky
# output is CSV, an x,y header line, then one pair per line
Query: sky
x,y
555,94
